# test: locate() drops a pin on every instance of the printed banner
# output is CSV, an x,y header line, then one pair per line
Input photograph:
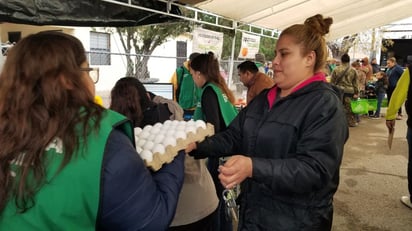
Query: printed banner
x,y
249,46
207,40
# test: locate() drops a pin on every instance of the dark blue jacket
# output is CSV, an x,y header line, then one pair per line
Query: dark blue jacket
x,y
394,74
132,197
296,149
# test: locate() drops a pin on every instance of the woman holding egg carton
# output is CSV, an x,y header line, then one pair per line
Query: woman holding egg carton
x,y
287,144
156,133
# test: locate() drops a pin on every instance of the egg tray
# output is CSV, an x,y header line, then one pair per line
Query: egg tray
x,y
171,151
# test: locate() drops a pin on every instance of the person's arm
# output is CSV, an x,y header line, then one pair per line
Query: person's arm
x,y
132,197
223,143
173,80
398,96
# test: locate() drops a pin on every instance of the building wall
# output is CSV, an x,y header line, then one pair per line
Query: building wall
x,y
161,65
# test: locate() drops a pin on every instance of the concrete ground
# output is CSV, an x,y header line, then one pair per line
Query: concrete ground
x,y
373,178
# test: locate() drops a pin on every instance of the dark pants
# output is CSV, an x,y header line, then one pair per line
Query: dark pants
x,y
350,117
409,138
379,104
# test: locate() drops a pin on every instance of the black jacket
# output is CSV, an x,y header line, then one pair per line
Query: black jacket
x,y
296,149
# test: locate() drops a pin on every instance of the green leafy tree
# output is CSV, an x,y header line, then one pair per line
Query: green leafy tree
x,y
140,42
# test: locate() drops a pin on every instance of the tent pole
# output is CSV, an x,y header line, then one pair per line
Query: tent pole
x,y
232,60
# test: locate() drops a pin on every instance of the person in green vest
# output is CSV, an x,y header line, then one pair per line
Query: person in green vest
x,y
186,93
216,106
66,162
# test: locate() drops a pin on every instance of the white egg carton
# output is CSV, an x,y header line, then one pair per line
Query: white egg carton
x,y
160,143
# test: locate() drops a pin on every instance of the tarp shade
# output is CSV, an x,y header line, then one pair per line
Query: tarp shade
x,y
82,13
349,16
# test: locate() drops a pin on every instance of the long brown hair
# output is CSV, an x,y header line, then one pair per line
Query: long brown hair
x,y
311,36
208,65
43,96
129,97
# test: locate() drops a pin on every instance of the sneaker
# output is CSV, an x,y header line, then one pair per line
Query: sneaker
x,y
399,117
375,117
406,201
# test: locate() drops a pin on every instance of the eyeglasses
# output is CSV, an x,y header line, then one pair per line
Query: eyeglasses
x,y
93,73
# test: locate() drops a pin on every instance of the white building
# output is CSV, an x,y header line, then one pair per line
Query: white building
x,y
161,65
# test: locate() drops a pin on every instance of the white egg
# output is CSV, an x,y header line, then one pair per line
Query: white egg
x,y
147,128
151,137
190,123
201,124
175,123
144,134
157,125
167,123
137,131
182,122
159,148
191,129
159,139
170,133
180,135
155,130
169,141
139,149
180,127
148,145
147,155
140,142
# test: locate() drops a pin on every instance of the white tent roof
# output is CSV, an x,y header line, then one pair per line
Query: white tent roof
x,y
350,16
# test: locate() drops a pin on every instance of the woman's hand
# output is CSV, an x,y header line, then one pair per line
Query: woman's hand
x,y
235,171
190,147
390,124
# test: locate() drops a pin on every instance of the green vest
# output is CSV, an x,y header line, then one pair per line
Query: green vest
x,y
187,92
70,199
228,110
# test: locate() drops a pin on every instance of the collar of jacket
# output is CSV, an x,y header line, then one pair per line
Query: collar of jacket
x,y
318,77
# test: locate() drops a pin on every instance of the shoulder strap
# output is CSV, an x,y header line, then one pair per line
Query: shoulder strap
x,y
341,76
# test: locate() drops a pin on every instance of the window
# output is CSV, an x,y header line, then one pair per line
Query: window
x,y
181,50
99,48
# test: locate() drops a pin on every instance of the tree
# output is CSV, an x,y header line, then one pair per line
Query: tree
x,y
341,46
143,40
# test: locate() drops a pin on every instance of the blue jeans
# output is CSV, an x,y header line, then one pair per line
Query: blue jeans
x,y
409,138
380,97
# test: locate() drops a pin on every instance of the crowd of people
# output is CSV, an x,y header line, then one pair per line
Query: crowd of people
x,y
72,164
361,80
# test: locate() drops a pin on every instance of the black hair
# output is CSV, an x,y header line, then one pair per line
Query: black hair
x,y
248,66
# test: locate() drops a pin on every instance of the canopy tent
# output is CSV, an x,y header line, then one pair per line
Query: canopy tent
x,y
350,16
84,13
